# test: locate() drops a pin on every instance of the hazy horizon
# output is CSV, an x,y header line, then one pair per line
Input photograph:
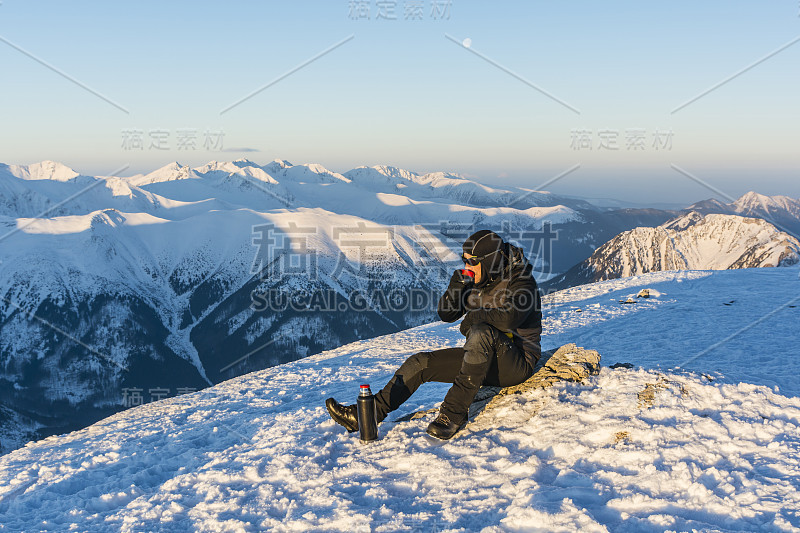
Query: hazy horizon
x,y
498,183
513,94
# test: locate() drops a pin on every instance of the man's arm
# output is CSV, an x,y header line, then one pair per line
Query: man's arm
x,y
452,303
524,292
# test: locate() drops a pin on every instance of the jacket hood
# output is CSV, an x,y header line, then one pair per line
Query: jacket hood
x,y
514,264
516,261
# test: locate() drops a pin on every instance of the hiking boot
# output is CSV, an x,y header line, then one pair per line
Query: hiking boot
x,y
444,428
345,415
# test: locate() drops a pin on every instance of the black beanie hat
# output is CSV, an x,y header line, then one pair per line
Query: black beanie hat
x,y
485,242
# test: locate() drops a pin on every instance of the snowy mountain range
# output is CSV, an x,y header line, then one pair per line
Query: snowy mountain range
x,y
119,290
387,195
701,432
690,242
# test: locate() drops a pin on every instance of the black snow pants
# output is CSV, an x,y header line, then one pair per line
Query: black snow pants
x,y
488,357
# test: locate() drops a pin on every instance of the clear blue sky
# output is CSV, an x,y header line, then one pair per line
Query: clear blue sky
x,y
401,93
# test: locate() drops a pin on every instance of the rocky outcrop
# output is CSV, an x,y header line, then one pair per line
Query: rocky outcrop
x,y
691,242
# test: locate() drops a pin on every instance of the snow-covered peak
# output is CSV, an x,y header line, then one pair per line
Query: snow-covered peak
x,y
441,179
395,172
44,170
243,162
710,242
463,187
715,241
781,211
258,173
313,173
752,199
377,171
754,202
381,178
169,172
684,221
241,166
276,165
212,173
709,206
225,167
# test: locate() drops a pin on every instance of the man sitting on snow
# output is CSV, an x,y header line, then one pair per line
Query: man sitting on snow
x,y
503,326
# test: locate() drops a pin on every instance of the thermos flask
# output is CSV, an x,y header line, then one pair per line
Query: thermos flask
x,y
367,417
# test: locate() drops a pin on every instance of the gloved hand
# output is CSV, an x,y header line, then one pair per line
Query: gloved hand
x,y
462,278
453,302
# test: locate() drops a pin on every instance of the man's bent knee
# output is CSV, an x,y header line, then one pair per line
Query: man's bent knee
x,y
480,343
414,364
481,332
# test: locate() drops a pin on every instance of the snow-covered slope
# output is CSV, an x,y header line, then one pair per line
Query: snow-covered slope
x,y
692,241
150,281
713,445
145,281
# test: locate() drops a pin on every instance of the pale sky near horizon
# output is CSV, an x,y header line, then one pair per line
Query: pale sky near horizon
x,y
399,87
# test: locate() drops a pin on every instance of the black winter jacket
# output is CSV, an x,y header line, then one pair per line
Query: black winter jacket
x,y
511,302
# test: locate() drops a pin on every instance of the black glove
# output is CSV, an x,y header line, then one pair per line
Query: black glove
x,y
460,279
453,302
